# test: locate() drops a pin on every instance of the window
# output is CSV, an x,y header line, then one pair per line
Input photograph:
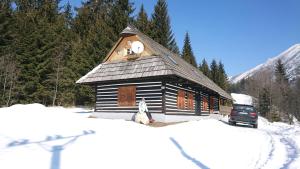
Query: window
x,y
190,103
243,107
126,96
204,103
180,99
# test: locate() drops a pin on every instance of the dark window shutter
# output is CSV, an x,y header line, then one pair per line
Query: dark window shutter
x,y
126,96
204,103
180,99
190,101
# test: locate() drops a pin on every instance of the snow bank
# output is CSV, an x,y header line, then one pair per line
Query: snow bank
x,y
37,137
242,99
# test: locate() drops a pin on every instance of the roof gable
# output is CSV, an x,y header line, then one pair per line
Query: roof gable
x,y
121,50
155,61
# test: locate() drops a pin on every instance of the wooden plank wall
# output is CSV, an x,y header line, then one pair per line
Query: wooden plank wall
x,y
107,97
171,100
204,95
216,103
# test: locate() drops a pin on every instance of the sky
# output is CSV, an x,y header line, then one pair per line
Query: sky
x,y
240,33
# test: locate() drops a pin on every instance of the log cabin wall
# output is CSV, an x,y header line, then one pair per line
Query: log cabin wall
x,y
161,97
108,96
204,102
215,103
209,103
179,100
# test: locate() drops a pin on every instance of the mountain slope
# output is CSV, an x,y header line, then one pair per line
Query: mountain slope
x,y
290,58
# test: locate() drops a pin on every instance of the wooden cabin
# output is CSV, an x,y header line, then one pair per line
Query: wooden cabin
x,y
138,67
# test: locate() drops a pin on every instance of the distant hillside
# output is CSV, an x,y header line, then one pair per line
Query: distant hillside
x,y
290,58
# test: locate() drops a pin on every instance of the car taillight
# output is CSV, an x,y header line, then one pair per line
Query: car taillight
x,y
253,114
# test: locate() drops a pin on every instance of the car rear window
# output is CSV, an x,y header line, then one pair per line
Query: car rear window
x,y
243,107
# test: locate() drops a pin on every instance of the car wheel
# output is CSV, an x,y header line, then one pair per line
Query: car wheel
x,y
234,123
255,126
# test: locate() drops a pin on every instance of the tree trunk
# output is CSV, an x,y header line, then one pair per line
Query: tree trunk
x,y
4,84
9,94
56,82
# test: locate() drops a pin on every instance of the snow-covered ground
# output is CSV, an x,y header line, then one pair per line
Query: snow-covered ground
x,y
36,137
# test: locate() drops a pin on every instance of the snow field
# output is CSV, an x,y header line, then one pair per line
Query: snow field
x,y
37,137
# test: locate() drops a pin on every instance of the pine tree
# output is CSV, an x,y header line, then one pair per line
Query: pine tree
x,y
65,74
96,33
51,54
223,81
89,13
161,31
204,68
214,71
173,47
29,42
68,15
280,72
187,52
264,102
120,16
43,39
282,92
297,98
142,22
8,64
6,26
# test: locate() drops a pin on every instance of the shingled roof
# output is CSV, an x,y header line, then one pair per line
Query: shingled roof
x,y
162,62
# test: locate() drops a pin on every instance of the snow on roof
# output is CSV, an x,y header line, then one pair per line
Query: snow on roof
x,y
242,99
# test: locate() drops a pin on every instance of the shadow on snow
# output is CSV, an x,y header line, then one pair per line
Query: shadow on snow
x,y
56,149
290,146
85,112
184,154
237,124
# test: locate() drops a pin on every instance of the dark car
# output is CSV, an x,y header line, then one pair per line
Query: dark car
x,y
245,114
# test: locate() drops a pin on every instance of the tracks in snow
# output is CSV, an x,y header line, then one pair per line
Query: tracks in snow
x,y
280,137
291,148
270,154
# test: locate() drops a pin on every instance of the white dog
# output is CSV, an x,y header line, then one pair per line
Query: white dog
x,y
141,118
